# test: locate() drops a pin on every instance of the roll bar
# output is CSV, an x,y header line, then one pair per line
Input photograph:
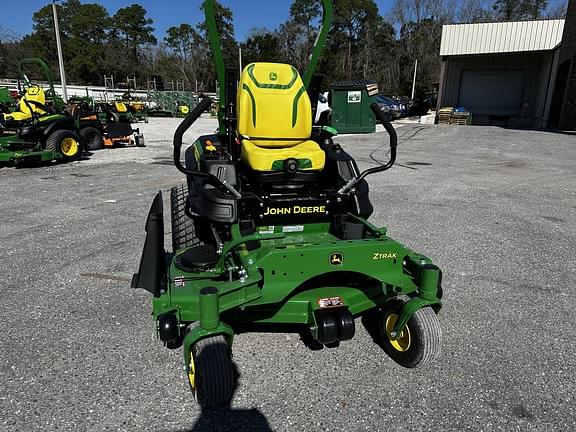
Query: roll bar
x,y
47,73
320,41
216,46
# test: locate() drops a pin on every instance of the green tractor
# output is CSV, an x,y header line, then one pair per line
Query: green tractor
x,y
271,233
39,130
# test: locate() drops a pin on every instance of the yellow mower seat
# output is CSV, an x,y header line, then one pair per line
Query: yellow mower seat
x,y
275,119
120,107
32,94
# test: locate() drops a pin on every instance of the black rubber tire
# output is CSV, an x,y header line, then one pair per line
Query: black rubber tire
x,y
56,141
183,230
215,375
91,138
327,331
425,335
346,324
112,117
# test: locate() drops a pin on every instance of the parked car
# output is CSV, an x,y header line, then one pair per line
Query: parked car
x,y
404,103
432,99
419,107
389,107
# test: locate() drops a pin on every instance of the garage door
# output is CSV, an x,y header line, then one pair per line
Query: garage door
x,y
492,92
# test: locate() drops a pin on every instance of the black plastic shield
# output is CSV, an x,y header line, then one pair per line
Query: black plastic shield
x,y
152,271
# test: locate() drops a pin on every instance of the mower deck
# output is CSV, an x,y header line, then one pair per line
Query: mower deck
x,y
17,157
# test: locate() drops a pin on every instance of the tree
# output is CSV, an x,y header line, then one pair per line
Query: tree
x,y
472,11
361,43
296,36
351,26
225,25
9,45
261,45
380,60
557,10
421,24
510,10
183,42
88,34
132,25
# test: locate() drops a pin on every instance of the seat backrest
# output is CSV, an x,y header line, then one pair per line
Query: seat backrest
x,y
273,107
33,94
120,107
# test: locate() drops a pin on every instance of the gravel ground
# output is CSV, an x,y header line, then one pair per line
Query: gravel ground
x,y
493,207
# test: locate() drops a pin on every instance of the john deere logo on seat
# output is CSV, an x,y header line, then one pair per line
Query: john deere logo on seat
x,y
273,76
336,258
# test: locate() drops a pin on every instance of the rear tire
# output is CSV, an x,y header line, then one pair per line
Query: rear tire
x,y
211,373
92,138
420,341
65,142
183,230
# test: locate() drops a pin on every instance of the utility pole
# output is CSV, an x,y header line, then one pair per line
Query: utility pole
x,y
414,80
240,58
60,57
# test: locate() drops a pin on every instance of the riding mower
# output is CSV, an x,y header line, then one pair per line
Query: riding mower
x,y
270,233
115,128
38,131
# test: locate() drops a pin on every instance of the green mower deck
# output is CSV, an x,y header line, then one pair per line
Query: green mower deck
x,y
23,156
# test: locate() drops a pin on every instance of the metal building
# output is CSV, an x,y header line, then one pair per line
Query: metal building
x,y
563,112
503,73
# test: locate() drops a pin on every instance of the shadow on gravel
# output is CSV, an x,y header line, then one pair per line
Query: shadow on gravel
x,y
228,419
225,418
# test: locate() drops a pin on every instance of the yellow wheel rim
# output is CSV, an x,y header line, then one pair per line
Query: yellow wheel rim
x,y
401,342
192,373
69,147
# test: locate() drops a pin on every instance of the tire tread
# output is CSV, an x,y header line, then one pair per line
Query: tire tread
x,y
215,372
425,330
183,230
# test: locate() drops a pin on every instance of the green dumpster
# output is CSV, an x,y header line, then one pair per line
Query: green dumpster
x,y
5,97
351,101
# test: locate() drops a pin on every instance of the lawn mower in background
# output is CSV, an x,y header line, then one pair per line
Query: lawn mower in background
x,y
39,129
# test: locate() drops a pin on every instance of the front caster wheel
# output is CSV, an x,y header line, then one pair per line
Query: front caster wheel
x,y
210,372
419,342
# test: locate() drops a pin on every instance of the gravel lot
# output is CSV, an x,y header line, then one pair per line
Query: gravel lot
x,y
493,207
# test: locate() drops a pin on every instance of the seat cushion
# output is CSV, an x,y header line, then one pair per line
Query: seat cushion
x,y
18,116
308,154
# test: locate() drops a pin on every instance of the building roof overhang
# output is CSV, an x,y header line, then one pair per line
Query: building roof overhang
x,y
501,37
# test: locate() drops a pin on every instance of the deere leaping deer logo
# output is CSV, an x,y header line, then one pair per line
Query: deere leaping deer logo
x,y
336,258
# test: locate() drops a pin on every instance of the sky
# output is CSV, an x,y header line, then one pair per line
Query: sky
x,y
17,15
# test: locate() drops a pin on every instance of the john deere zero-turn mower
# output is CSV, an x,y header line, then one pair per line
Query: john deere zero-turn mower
x,y
271,232
39,130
